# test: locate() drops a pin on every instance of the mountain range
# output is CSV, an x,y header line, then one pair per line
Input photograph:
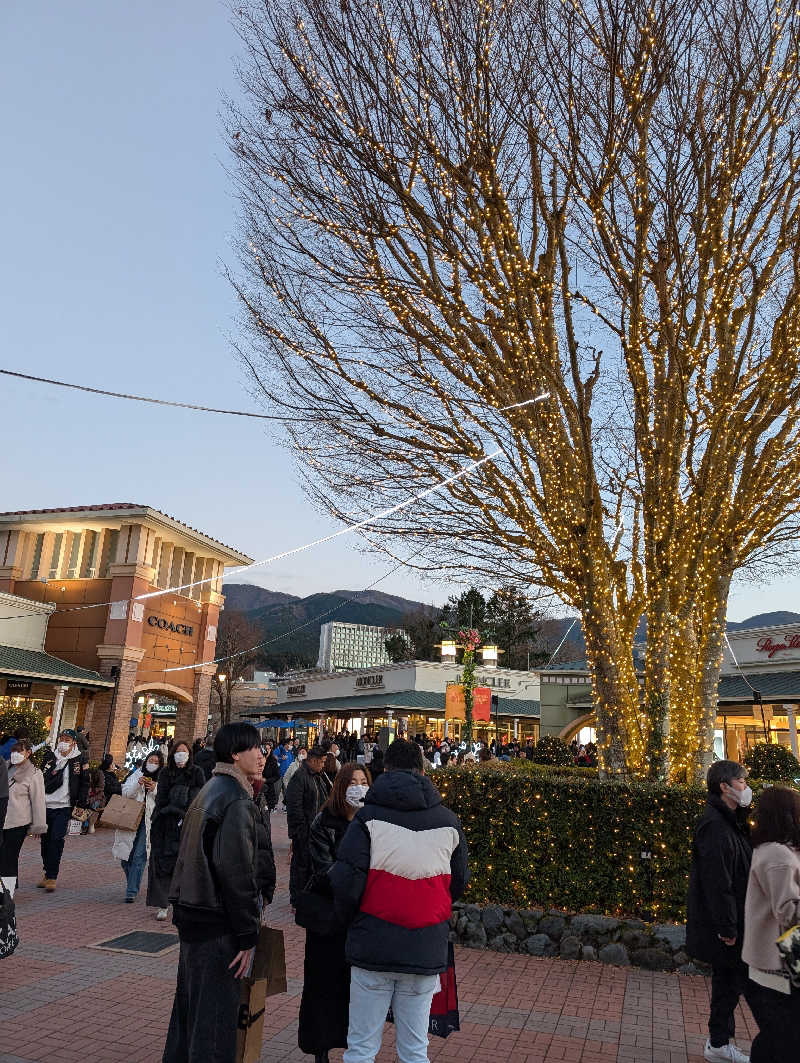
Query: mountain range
x,y
276,614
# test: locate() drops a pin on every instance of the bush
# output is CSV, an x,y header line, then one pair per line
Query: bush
x,y
551,750
541,840
12,719
773,762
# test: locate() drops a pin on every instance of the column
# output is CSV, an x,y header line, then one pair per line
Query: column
x,y
791,718
516,728
58,708
111,715
192,718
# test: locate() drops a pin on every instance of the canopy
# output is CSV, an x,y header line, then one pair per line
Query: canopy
x,y
280,724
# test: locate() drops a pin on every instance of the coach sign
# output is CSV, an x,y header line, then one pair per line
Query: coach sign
x,y
169,625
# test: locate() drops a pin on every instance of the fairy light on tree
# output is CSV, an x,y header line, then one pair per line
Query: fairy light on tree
x,y
449,209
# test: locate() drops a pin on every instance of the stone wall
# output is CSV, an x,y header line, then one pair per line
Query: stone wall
x,y
621,942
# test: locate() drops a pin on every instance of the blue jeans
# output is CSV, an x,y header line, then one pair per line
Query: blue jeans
x,y
372,993
135,864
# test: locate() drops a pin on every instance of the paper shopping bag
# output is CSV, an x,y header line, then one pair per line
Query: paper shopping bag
x,y
267,979
123,813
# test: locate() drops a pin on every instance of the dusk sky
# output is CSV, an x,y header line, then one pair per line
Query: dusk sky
x,y
116,219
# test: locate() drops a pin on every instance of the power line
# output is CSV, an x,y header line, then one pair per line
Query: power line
x,y
142,398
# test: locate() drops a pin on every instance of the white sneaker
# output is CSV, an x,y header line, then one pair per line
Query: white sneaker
x,y
728,1053
162,913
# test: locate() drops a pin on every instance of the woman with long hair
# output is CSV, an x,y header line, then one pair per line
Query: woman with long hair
x,y
131,848
325,1004
772,906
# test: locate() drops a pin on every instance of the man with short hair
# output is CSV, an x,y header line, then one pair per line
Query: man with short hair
x,y
721,855
216,903
305,796
401,864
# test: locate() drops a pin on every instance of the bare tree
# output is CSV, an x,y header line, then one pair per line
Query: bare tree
x,y
452,207
236,640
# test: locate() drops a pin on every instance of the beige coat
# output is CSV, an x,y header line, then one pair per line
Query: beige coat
x,y
772,904
26,807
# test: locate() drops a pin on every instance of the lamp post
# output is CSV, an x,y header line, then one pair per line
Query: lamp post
x,y
469,640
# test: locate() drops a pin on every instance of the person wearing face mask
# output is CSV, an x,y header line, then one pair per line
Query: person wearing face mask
x,y
131,848
325,1004
26,813
178,785
66,786
721,857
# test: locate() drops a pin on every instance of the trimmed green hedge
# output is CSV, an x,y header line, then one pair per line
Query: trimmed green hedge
x,y
542,840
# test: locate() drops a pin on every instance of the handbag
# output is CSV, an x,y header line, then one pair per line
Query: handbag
x,y
789,948
124,813
315,911
9,938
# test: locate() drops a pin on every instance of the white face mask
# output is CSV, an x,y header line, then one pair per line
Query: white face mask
x,y
152,766
302,756
744,797
181,758
355,795
64,748
17,758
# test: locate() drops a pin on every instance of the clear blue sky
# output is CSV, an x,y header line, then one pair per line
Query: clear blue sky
x,y
116,217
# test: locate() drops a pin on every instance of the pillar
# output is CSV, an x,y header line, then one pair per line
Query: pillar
x,y
192,719
112,714
58,708
792,721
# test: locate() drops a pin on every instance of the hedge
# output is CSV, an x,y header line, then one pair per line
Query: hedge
x,y
544,840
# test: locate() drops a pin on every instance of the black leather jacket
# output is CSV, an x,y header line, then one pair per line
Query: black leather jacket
x,y
214,888
265,862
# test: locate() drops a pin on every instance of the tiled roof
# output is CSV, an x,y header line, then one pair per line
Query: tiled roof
x,y
117,507
35,664
398,701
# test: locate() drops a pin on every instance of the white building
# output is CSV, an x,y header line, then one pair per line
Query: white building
x,y
343,646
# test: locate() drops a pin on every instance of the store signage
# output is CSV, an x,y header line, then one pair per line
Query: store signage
x,y
18,686
455,707
369,681
766,645
169,625
482,704
296,691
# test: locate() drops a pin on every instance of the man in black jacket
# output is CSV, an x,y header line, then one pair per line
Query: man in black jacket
x,y
305,796
721,855
216,906
401,864
66,786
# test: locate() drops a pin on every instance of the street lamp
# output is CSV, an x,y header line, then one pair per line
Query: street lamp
x,y
448,649
490,655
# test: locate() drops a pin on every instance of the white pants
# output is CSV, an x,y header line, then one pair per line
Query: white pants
x,y
372,993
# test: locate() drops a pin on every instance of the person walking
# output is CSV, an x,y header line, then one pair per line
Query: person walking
x,y
206,758
216,903
26,813
286,755
401,864
325,1004
721,854
305,796
178,785
271,776
771,907
131,848
66,786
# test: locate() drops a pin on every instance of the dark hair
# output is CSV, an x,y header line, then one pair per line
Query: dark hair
x,y
778,817
171,758
106,762
403,755
159,757
331,765
22,732
24,742
337,799
484,754
723,771
235,738
444,757
96,780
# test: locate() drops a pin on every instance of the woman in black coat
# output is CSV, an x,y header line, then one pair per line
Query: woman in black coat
x,y
325,1004
272,778
178,785
111,784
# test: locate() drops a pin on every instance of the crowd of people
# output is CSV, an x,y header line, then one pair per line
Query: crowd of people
x,y
376,861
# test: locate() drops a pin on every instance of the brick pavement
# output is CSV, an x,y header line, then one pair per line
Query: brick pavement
x,y
62,1002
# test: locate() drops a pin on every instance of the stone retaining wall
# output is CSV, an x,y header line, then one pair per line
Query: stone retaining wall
x,y
621,942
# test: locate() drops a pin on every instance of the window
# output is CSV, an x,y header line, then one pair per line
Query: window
x,y
37,555
90,555
74,554
55,561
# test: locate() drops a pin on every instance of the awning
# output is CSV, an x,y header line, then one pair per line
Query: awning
x,y
772,686
280,724
403,702
17,663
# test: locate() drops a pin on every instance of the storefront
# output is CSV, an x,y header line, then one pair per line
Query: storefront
x,y
408,698
101,569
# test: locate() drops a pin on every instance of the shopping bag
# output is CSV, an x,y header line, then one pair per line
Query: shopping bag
x,y
9,939
267,978
75,826
789,948
122,813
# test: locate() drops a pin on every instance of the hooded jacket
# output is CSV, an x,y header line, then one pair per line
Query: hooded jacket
x,y
721,855
401,864
215,889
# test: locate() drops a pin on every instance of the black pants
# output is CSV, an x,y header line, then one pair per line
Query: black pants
x,y
778,1018
13,837
202,1027
53,841
728,983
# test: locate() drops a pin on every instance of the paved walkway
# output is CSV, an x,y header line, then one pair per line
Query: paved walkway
x,y
62,1002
